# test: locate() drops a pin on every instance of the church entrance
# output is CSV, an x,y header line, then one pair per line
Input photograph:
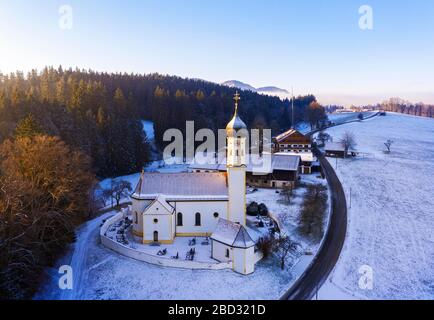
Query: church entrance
x,y
155,236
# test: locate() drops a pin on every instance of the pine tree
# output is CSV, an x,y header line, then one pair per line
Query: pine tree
x,y
28,127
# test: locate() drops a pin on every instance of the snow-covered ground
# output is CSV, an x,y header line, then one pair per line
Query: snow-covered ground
x,y
348,116
288,214
148,128
391,218
100,273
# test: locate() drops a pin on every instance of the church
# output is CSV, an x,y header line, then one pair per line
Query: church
x,y
200,204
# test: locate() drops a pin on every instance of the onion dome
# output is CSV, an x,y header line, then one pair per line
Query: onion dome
x,y
236,123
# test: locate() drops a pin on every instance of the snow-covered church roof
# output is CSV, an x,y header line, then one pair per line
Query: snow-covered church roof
x,y
233,234
255,163
185,185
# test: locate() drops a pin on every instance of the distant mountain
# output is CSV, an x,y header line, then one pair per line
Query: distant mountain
x,y
273,90
239,85
269,91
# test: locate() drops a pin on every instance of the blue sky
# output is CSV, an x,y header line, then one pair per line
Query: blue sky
x,y
314,45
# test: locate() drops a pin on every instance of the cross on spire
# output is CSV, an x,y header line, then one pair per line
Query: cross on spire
x,y
236,98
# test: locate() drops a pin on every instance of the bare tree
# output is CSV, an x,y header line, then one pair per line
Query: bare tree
x,y
313,210
266,245
286,193
323,137
348,141
117,190
283,246
388,145
44,194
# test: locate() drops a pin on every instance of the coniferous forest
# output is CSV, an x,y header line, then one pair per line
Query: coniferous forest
x,y
100,113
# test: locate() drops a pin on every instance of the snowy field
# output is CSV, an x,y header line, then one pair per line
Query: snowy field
x,y
391,219
348,116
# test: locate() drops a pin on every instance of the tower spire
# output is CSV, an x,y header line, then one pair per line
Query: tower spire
x,y
236,99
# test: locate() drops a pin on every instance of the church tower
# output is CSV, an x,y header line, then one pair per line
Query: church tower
x,y
236,132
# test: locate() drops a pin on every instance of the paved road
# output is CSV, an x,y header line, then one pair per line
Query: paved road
x,y
316,274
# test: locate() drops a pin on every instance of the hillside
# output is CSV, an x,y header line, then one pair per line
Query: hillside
x,y
390,216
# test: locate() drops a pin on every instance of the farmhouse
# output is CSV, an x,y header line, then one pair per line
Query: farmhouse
x,y
292,142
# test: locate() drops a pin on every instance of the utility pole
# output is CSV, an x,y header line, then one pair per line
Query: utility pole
x,y
292,107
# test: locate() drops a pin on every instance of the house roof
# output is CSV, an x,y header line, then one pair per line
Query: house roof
x,y
334,146
305,156
285,162
289,133
255,163
161,199
232,234
285,134
185,185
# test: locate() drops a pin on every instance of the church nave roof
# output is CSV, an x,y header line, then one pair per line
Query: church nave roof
x,y
186,185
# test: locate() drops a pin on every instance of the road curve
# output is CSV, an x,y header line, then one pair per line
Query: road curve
x,y
317,272
328,254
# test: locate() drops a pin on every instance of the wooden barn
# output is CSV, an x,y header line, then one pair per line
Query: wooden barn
x,y
337,150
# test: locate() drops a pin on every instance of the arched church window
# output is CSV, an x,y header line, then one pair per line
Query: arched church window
x,y
179,220
136,217
227,253
197,219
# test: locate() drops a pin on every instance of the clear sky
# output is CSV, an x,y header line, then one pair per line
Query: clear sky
x,y
314,45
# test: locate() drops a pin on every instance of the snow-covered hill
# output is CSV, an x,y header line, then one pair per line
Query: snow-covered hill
x,y
390,210
239,85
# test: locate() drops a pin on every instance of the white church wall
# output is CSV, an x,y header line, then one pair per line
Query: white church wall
x,y
244,260
161,223
237,194
137,207
219,251
206,210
